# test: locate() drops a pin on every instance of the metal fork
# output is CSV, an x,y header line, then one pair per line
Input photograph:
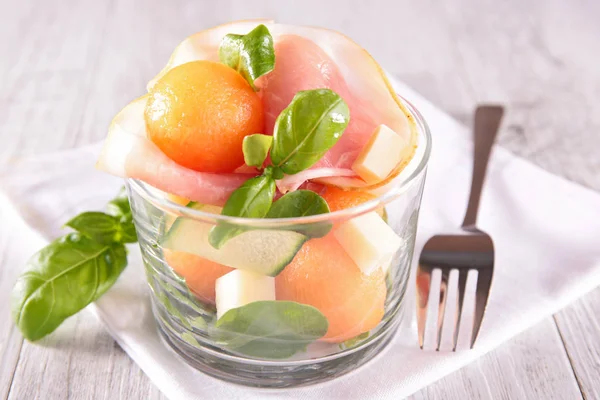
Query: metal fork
x,y
467,249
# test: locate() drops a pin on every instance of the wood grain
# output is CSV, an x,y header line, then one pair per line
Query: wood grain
x,y
531,366
10,338
69,66
79,361
580,328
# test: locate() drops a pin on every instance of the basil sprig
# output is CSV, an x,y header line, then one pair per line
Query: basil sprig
x,y
304,131
252,55
74,270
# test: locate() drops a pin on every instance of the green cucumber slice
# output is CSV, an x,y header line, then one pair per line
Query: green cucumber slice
x,y
266,252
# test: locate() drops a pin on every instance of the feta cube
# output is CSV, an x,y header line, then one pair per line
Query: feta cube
x,y
369,241
380,155
241,287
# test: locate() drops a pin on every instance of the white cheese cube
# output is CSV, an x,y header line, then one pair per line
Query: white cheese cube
x,y
369,241
241,287
380,155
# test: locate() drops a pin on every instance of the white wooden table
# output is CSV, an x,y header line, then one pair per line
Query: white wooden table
x,y
67,66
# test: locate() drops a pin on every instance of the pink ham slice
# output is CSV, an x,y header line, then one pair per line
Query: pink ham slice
x,y
302,65
128,153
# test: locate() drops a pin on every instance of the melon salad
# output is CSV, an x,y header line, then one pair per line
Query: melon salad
x,y
263,120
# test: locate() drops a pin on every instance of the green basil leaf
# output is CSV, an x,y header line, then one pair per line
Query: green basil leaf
x,y
187,298
251,200
191,340
252,55
61,279
256,148
271,329
275,172
101,227
120,208
307,129
181,306
301,203
128,233
173,311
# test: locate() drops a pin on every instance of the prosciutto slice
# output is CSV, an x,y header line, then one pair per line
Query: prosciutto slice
x,y
128,153
301,64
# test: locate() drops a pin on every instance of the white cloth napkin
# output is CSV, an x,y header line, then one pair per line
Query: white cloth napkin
x,y
545,230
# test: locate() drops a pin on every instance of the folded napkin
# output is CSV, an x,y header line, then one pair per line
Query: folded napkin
x,y
545,230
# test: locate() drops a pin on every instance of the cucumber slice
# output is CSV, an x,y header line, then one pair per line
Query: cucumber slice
x,y
170,218
265,252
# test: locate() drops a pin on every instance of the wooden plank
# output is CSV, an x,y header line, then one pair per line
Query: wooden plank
x,y
547,77
79,361
579,326
10,338
46,73
531,366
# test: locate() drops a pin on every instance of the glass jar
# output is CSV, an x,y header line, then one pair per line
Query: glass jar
x,y
327,316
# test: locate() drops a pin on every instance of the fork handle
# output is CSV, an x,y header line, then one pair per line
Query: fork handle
x,y
487,122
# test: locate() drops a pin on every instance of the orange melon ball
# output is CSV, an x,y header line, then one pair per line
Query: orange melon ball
x,y
339,199
324,276
198,114
199,273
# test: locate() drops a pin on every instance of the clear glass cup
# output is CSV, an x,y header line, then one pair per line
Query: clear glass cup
x,y
186,315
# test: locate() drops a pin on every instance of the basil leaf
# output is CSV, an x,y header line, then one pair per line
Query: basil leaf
x,y
252,55
271,329
173,311
183,307
61,279
251,200
128,233
276,173
120,208
191,340
187,298
101,227
307,129
255,148
301,203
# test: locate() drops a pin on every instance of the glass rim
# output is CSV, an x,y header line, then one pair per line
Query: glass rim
x,y
394,192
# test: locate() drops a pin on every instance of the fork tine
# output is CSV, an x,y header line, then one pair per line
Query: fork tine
x,y
484,281
462,284
423,288
442,305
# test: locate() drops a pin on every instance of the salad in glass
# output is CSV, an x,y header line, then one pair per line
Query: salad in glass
x,y
274,178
